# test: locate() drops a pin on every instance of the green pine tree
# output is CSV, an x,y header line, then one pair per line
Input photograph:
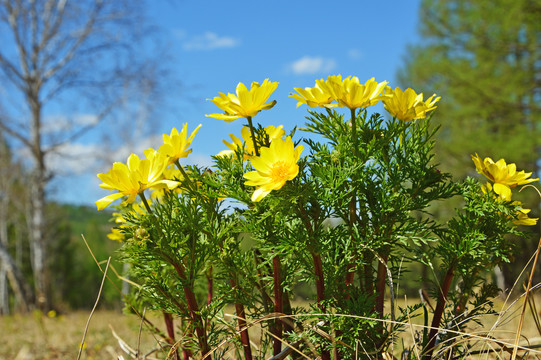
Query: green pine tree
x,y
484,59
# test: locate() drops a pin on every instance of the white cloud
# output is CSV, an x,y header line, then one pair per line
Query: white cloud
x,y
355,54
312,65
209,41
137,146
180,33
198,159
72,159
75,159
62,123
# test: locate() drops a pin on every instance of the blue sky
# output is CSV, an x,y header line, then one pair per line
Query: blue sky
x,y
216,44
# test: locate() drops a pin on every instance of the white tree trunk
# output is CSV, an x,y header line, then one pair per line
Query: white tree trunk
x,y
39,248
16,279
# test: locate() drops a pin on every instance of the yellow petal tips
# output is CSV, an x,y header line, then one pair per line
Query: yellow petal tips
x,y
246,103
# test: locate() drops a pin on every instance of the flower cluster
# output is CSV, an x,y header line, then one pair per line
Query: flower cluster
x,y
349,92
505,177
137,175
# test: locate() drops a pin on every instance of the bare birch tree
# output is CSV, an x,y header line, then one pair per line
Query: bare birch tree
x,y
11,203
86,54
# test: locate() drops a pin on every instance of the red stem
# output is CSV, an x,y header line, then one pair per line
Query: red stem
x,y
194,310
168,319
350,275
278,305
287,311
241,321
210,281
318,269
320,280
438,313
380,284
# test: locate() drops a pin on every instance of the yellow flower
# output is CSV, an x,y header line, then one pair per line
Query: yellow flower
x,y
226,153
272,132
407,105
504,176
276,165
521,216
523,219
169,173
319,95
134,178
116,234
175,146
247,103
352,94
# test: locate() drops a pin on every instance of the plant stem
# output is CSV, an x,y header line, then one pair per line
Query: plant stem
x,y
380,284
252,132
320,280
350,273
438,313
287,311
354,132
168,319
318,265
184,174
318,269
193,309
278,304
241,321
265,297
210,283
145,203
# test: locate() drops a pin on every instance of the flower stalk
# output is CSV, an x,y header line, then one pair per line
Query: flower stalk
x,y
252,132
380,284
320,280
278,304
241,321
193,309
168,319
438,312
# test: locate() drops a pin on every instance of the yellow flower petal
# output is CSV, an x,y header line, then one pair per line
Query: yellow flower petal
x,y
107,200
504,176
315,96
134,178
350,93
246,103
276,165
407,105
175,145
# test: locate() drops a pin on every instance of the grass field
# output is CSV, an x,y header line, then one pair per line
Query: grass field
x,y
38,336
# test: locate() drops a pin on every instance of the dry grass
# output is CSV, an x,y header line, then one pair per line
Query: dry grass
x,y
37,336
494,331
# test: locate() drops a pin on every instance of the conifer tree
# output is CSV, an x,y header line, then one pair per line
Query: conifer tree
x,y
484,59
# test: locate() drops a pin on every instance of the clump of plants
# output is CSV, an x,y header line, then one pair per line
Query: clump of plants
x,y
342,205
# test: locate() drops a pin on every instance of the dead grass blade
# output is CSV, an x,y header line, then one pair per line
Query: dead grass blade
x,y
528,288
93,309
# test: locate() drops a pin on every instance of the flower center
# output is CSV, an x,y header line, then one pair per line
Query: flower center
x,y
279,170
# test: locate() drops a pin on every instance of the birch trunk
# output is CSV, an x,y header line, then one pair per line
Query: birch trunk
x,y
17,281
